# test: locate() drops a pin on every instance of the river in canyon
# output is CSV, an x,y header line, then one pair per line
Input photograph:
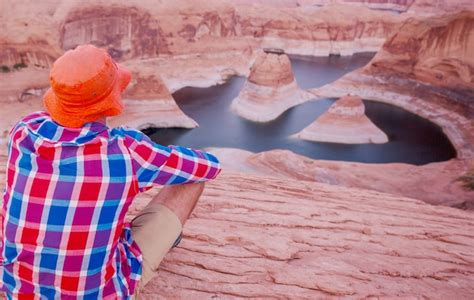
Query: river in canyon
x,y
412,139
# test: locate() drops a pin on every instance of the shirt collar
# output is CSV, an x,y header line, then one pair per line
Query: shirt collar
x,y
47,129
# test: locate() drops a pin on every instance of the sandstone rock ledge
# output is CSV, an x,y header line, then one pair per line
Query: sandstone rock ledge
x,y
270,89
345,122
255,236
262,237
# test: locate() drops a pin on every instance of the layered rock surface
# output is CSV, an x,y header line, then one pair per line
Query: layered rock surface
x,y
345,122
435,183
146,29
392,5
253,236
436,50
148,103
270,89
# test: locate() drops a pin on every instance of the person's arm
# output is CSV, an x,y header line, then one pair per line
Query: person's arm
x,y
155,164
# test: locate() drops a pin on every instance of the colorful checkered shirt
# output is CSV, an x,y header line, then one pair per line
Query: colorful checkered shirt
x,y
67,192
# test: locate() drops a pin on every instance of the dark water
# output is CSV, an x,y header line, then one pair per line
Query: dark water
x,y
412,139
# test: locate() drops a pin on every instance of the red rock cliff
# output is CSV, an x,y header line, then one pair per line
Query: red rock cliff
x,y
436,50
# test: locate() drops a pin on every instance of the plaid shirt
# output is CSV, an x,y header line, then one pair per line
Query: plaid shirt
x,y
66,196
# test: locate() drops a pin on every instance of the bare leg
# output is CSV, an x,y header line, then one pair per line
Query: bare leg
x,y
159,224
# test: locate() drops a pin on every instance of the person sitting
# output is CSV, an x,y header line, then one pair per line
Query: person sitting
x,y
71,180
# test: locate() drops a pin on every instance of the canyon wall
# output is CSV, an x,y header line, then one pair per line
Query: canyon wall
x,y
425,68
391,5
125,31
437,51
142,29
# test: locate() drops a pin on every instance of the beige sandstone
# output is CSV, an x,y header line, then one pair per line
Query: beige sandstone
x,y
261,237
435,183
147,29
148,103
345,122
270,89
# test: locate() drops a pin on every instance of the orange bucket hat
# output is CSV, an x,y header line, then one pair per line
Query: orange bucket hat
x,y
86,85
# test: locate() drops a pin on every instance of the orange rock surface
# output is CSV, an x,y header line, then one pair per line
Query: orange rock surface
x,y
345,122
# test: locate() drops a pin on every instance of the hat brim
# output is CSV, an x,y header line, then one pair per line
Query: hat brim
x,y
110,105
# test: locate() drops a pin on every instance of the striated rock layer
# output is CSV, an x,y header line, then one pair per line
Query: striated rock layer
x,y
434,50
435,183
253,236
148,103
146,29
345,122
391,5
269,90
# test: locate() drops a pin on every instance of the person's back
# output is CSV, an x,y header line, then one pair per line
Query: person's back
x,y
68,189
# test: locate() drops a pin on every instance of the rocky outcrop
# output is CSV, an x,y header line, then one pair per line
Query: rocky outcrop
x,y
270,89
435,50
148,103
439,7
334,29
35,53
263,237
21,93
345,122
435,183
390,5
125,32
400,75
253,236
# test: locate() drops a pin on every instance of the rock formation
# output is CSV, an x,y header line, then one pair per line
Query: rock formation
x,y
345,122
437,51
253,236
438,88
148,29
148,103
263,237
439,7
20,93
435,183
391,5
269,90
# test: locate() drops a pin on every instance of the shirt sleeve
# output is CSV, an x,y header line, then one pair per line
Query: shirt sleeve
x,y
159,165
